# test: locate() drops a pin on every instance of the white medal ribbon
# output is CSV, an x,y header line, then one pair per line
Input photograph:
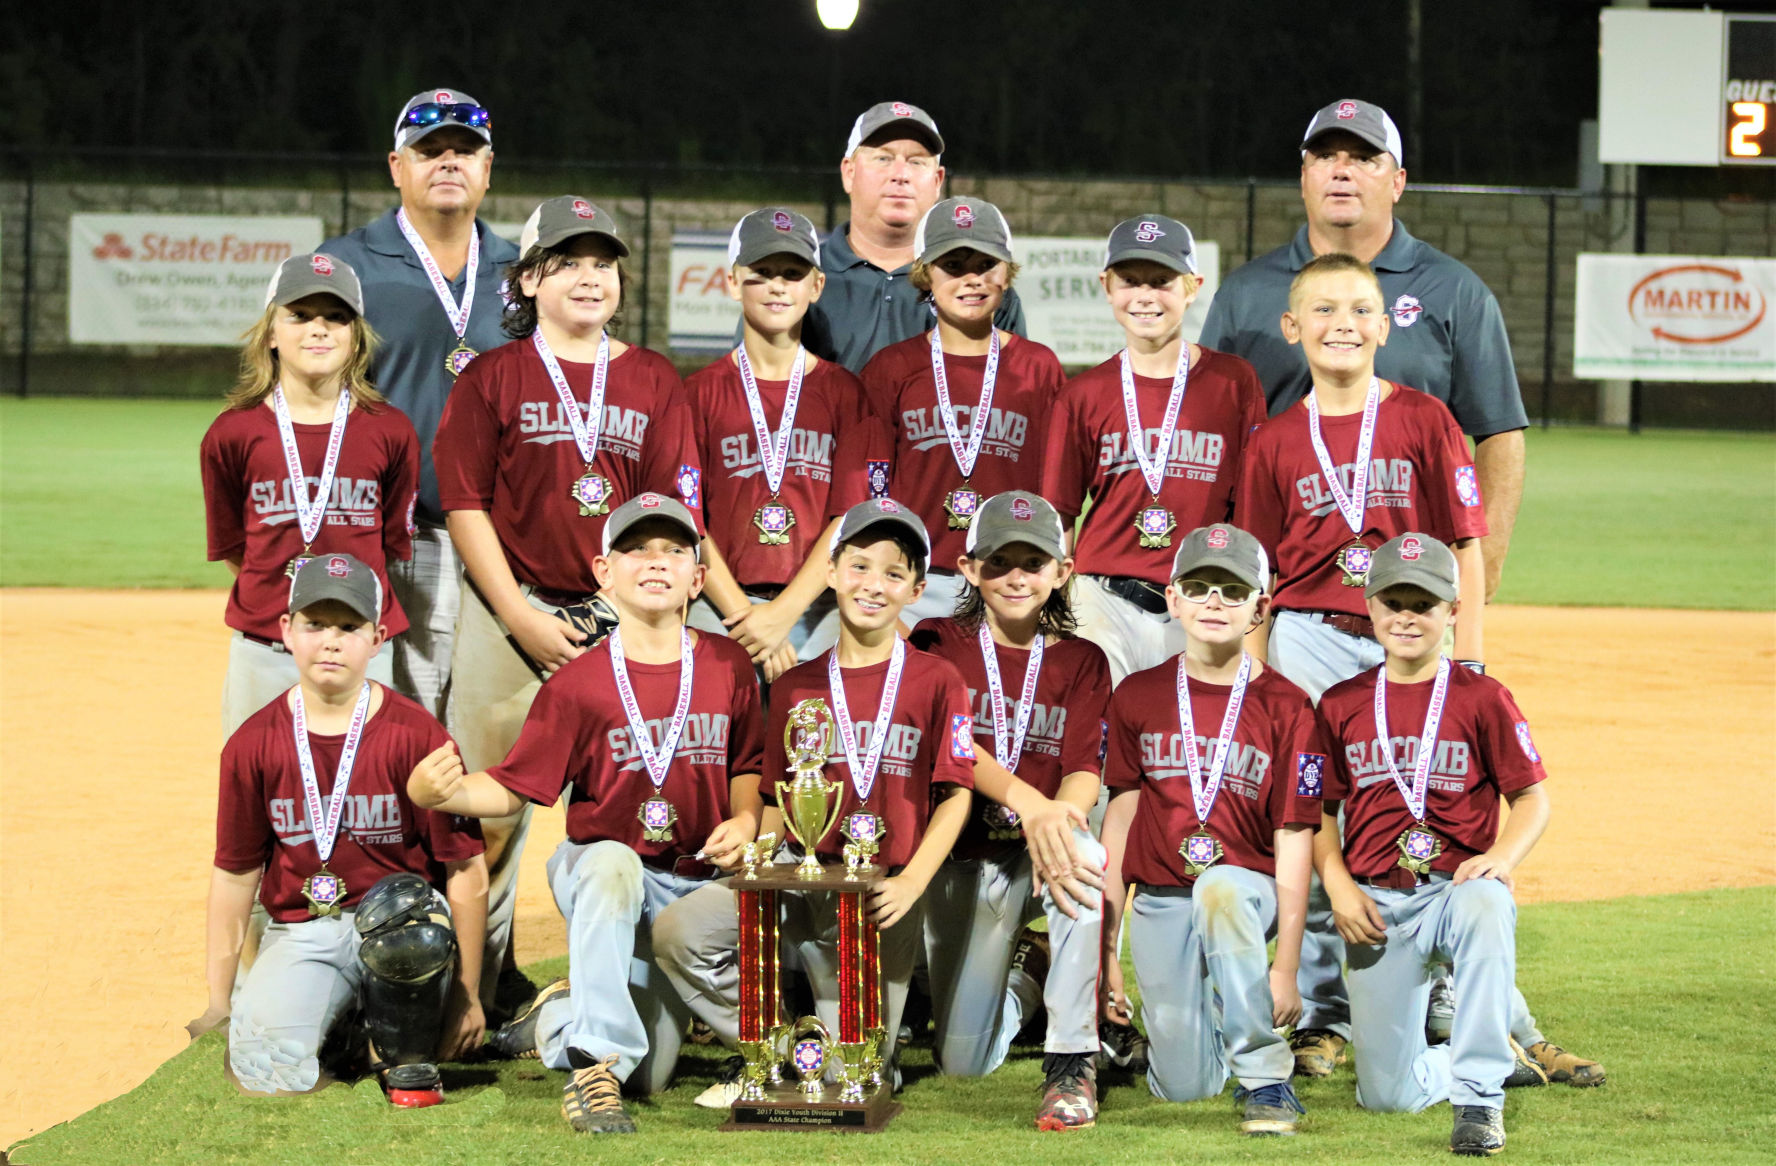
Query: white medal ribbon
x,y
773,452
1353,504
1154,471
326,825
310,511
863,772
1009,753
660,760
588,426
966,453
1427,740
459,316
1204,795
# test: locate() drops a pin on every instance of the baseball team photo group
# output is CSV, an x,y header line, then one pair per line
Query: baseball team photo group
x,y
892,724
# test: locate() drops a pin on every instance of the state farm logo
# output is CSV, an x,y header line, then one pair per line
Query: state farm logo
x,y
112,246
1697,303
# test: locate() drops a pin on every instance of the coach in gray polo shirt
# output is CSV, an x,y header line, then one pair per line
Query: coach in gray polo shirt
x,y
893,172
1448,336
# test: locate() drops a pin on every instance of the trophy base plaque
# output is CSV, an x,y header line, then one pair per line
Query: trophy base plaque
x,y
792,1112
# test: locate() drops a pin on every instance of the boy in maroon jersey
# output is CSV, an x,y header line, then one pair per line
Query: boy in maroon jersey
x,y
1211,819
540,439
645,825
1419,753
1155,435
786,441
901,748
967,403
313,815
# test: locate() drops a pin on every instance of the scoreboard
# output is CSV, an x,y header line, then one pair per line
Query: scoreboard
x,y
1749,95
1686,88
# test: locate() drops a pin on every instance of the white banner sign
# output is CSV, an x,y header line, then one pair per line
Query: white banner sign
x,y
701,317
1065,308
1675,318
175,279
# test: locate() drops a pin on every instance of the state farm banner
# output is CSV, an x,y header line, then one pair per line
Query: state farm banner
x,y
175,279
1675,318
700,317
1065,308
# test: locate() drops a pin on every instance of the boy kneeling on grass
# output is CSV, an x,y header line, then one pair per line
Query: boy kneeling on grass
x,y
646,825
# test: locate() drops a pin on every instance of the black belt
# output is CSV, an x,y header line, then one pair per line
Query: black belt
x,y
1149,597
764,591
551,597
684,865
1398,879
274,645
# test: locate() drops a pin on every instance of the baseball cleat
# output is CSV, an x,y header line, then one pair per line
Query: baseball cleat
x,y
414,1086
517,1039
1122,1047
1564,1067
1069,1092
592,1103
726,1090
1270,1110
1317,1051
1479,1131
1525,1073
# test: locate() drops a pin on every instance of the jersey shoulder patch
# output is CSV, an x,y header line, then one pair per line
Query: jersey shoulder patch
x,y
1310,775
962,737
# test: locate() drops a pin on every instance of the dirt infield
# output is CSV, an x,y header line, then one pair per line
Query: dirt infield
x,y
107,801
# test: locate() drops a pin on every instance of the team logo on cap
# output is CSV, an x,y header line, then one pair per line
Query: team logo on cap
x,y
888,506
1217,539
1407,310
321,264
901,109
584,209
782,221
1466,487
1147,232
1346,110
1411,548
1022,510
338,566
648,500
963,215
443,97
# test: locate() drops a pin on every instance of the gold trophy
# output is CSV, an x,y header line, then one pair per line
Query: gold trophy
x,y
809,809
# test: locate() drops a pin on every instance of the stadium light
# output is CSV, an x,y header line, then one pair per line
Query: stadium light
x,y
836,14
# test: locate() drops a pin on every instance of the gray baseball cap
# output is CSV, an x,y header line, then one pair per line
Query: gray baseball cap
x,y
644,507
1154,238
1417,559
877,511
1016,516
557,220
956,223
306,275
342,578
1227,547
436,109
775,230
1363,119
913,121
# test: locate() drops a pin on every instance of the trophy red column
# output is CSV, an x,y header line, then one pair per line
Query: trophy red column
x,y
759,990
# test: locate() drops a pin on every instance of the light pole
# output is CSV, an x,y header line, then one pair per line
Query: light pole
x,y
836,16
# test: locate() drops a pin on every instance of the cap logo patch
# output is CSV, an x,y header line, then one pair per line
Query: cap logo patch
x,y
963,215
649,500
338,566
584,209
321,264
888,506
442,97
1347,110
1411,549
1147,232
901,109
1022,510
1217,539
782,221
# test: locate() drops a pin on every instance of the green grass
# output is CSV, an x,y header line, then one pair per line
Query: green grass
x,y
1671,993
105,493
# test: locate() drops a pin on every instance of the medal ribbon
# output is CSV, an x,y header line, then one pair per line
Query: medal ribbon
x,y
458,316
588,426
326,826
657,761
1427,740
863,773
968,453
1154,471
773,452
310,511
1009,754
1353,504
1204,796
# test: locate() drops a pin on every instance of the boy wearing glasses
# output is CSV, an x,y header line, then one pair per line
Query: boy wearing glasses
x,y
1211,819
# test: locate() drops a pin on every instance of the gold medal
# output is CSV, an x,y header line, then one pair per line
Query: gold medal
x,y
295,564
325,892
1003,824
1354,560
592,491
773,520
459,359
960,504
1419,847
657,816
1200,851
1156,525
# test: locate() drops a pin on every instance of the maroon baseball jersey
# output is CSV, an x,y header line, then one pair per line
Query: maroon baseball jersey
x,y
1483,750
1089,451
834,439
577,737
903,393
250,511
1421,478
930,743
1267,784
505,445
262,814
1067,726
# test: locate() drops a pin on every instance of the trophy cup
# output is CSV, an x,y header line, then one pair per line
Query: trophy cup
x,y
863,1101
